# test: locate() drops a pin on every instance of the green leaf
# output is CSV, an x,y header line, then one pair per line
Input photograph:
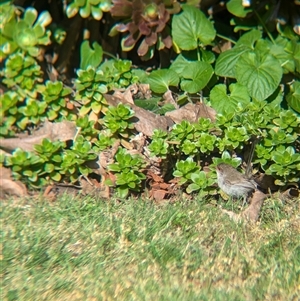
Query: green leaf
x,y
72,10
285,58
224,103
55,176
49,167
261,75
150,104
85,11
293,98
225,64
192,187
44,19
236,8
96,13
248,39
179,64
191,28
122,192
90,56
27,173
30,16
114,167
160,80
195,76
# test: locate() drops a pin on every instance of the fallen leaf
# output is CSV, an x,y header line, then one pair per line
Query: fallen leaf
x,y
9,187
61,131
192,112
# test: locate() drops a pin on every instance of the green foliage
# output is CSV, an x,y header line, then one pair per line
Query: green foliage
x,y
119,73
201,182
286,165
253,86
104,141
204,141
23,72
51,157
54,94
260,74
257,64
154,105
293,98
86,127
193,76
51,162
25,166
225,103
118,120
185,169
74,159
226,158
161,80
27,33
191,28
90,57
31,112
90,86
127,170
86,8
159,147
8,112
92,83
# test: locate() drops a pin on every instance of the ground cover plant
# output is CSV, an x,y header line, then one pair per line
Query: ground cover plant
x,y
132,100
251,85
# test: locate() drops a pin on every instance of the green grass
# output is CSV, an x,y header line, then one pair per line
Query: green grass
x,y
85,249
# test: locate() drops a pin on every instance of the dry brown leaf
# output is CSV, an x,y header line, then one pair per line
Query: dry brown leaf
x,y
251,213
168,97
222,46
158,195
9,187
289,194
61,131
192,112
93,188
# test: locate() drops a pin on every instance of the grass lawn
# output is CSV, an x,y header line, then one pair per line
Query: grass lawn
x,y
87,249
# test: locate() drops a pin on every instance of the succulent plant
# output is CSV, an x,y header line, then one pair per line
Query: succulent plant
x,y
88,7
128,170
56,96
23,72
8,112
28,33
148,21
90,87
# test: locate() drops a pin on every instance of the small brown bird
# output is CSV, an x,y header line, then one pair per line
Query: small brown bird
x,y
234,183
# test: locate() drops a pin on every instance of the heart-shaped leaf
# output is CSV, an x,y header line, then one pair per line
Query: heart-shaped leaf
x,y
160,80
191,28
89,56
224,103
293,98
260,74
195,76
